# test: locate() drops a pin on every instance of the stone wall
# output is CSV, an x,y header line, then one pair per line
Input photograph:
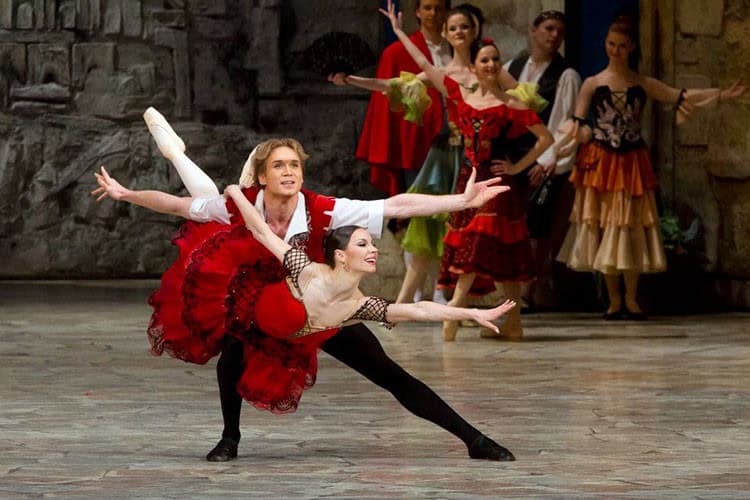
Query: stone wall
x,y
75,76
704,165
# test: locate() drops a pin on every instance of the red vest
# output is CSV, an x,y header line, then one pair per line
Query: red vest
x,y
318,221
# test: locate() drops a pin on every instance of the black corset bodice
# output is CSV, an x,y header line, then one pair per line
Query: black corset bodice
x,y
617,116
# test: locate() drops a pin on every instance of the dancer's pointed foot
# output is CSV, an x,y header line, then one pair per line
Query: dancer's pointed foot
x,y
168,142
224,451
449,330
484,448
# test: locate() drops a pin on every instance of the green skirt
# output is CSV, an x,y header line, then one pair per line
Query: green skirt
x,y
424,235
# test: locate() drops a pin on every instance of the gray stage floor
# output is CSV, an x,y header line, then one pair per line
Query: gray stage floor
x,y
591,409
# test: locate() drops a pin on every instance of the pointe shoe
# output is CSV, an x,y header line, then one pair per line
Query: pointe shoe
x,y
168,142
449,330
511,331
484,448
224,451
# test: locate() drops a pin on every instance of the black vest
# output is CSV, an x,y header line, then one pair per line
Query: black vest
x,y
547,82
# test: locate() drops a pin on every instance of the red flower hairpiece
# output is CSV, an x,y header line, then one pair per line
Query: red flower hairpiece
x,y
488,41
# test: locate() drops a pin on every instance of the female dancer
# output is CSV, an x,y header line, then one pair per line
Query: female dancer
x,y
614,222
491,241
423,238
217,286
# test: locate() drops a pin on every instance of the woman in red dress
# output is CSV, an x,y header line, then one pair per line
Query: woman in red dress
x,y
490,242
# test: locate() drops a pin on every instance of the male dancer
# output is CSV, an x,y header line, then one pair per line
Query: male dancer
x,y
559,85
293,214
395,148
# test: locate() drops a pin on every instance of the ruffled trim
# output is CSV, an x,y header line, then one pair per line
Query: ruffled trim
x,y
488,258
408,94
605,170
613,232
502,229
528,93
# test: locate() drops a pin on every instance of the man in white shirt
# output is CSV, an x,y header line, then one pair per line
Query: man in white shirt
x,y
559,84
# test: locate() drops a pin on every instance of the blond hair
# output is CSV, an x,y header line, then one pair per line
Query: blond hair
x,y
256,162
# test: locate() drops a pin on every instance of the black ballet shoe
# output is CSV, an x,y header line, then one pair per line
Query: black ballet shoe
x,y
224,451
484,448
635,316
613,316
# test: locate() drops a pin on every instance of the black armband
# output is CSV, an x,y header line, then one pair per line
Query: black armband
x,y
578,119
683,96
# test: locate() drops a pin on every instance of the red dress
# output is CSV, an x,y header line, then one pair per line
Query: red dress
x,y
225,282
493,240
388,142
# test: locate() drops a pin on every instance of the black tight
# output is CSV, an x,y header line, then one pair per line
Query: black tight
x,y
358,348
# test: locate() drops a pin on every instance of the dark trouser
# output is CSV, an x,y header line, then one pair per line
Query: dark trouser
x,y
358,348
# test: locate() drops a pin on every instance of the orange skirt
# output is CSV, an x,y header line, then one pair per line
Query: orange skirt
x,y
614,224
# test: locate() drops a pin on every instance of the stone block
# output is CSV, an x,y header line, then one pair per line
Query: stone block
x,y
39,14
117,97
208,7
178,42
17,36
701,17
37,108
68,16
25,17
13,59
45,92
49,63
145,74
6,15
112,24
132,18
89,15
87,56
263,55
50,14
214,29
169,18
686,51
695,132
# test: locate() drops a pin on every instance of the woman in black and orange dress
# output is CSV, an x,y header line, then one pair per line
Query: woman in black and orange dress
x,y
614,224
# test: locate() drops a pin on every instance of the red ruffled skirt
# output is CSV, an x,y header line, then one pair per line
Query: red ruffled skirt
x,y
225,282
491,241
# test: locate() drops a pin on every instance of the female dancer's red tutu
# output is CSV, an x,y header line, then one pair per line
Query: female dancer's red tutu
x,y
226,282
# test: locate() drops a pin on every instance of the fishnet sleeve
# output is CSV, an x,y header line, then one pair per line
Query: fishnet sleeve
x,y
374,309
295,260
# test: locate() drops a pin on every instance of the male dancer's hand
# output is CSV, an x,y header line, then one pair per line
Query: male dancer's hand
x,y
108,187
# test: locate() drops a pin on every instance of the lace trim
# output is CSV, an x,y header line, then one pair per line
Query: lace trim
x,y
295,260
374,309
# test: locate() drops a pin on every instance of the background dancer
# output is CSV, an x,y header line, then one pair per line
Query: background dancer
x,y
491,241
551,196
614,222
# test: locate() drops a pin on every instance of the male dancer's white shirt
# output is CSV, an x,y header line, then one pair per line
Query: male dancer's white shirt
x,y
346,212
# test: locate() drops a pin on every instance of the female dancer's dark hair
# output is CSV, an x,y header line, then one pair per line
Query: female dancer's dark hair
x,y
338,239
478,45
473,13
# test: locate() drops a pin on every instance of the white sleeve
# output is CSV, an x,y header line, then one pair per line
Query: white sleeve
x,y
367,214
565,101
212,209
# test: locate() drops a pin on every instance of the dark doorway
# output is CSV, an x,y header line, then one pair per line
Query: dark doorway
x,y
588,21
